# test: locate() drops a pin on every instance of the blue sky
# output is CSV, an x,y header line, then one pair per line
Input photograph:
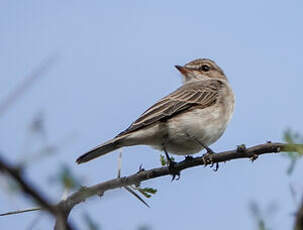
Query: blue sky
x,y
115,59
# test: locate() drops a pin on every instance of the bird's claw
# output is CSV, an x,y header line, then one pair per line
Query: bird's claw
x,y
207,159
173,170
188,158
141,169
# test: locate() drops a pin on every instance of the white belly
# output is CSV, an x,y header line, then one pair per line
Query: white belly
x,y
201,125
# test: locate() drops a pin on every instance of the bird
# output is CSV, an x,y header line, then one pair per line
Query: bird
x,y
184,122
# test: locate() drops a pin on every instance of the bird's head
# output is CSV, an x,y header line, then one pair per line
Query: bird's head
x,y
201,69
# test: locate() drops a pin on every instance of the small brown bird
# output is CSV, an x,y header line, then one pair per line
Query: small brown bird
x,y
184,122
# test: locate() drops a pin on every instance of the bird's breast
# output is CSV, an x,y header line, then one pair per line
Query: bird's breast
x,y
205,125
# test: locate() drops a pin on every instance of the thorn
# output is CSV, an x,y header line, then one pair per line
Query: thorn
x,y
141,169
100,194
254,157
217,167
119,164
123,180
129,189
188,158
174,176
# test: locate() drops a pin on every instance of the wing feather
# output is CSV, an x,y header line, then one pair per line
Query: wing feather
x,y
202,94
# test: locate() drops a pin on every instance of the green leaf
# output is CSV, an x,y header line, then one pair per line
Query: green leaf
x,y
292,138
147,192
66,178
162,160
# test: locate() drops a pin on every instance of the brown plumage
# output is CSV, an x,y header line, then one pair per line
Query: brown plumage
x,y
197,112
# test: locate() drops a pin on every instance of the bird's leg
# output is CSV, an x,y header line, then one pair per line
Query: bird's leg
x,y
207,157
188,158
171,166
208,150
168,159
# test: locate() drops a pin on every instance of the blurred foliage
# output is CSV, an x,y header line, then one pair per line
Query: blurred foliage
x,y
292,137
10,186
90,223
144,227
261,217
66,178
162,160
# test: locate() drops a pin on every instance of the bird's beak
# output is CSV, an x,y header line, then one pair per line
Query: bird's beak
x,y
182,69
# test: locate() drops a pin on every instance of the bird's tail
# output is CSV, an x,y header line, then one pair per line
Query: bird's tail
x,y
100,150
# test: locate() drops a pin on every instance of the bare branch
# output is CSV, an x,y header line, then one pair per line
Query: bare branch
x,y
299,218
29,189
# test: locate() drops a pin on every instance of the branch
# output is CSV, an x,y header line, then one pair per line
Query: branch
x,y
299,218
82,194
143,175
20,211
29,189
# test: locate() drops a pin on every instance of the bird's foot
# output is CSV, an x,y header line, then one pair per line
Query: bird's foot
x,y
188,158
208,150
173,170
172,167
207,158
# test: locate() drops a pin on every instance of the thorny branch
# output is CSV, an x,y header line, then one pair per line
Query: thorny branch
x,y
143,175
135,179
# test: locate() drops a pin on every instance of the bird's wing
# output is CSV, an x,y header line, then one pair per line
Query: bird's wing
x,y
200,93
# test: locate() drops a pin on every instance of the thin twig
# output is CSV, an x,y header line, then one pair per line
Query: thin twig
x,y
20,211
129,189
119,164
136,195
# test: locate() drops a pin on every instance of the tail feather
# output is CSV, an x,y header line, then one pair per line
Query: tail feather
x,y
100,150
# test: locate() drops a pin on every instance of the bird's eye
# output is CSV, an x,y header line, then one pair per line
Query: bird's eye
x,y
205,68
